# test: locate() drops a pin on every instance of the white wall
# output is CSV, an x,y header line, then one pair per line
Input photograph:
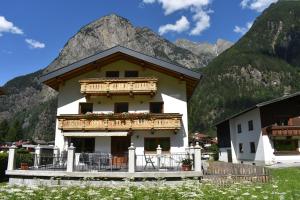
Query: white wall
x,y
171,91
246,136
223,155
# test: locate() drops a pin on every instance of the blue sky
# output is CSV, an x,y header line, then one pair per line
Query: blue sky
x,y
32,32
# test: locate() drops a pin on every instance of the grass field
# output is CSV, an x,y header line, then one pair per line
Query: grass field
x,y
285,184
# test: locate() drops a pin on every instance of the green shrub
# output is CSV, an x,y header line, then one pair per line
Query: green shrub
x,y
3,166
215,150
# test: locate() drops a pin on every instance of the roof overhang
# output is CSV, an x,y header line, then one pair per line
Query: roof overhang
x,y
54,78
260,105
1,91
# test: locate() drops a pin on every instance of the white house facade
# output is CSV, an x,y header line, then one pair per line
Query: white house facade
x,y
265,134
119,97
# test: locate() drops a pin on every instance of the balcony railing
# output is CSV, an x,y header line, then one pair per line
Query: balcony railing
x,y
120,122
276,130
117,86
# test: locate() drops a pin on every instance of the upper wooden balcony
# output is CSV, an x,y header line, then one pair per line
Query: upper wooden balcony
x,y
120,122
119,86
276,130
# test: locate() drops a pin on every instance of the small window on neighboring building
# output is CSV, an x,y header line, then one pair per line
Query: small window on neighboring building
x,y
156,107
250,125
252,147
131,73
112,74
152,143
239,128
241,150
85,108
121,107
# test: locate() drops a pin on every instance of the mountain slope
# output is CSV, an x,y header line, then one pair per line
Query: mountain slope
x,y
263,64
34,105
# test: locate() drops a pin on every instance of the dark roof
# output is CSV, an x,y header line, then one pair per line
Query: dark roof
x,y
2,91
259,105
120,49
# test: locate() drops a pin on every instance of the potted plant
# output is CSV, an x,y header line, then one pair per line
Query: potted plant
x,y
186,164
24,166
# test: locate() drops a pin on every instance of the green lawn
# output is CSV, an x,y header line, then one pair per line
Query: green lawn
x,y
285,184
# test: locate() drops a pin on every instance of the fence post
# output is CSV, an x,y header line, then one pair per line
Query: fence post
x,y
158,152
11,164
37,157
55,155
70,159
131,158
197,158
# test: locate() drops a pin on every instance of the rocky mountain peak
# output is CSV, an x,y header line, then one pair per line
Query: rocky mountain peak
x,y
112,30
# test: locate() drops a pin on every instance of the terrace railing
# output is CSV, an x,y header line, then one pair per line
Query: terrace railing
x,y
276,130
123,122
117,86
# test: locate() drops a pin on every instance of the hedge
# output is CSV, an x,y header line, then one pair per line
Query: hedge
x,y
3,166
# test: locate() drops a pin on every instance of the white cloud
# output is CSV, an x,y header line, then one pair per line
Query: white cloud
x,y
181,25
257,5
8,27
33,44
243,30
196,7
202,22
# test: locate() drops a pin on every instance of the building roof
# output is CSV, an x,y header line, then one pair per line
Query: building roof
x,y
53,78
2,91
259,105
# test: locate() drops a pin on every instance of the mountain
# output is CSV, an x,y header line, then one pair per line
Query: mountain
x,y
34,105
206,50
263,64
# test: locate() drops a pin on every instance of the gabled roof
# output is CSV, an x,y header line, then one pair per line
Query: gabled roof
x,y
259,105
53,78
2,91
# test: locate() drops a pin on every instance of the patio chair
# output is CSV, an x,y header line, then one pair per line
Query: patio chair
x,y
148,160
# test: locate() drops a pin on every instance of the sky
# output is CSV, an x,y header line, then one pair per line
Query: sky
x,y
32,32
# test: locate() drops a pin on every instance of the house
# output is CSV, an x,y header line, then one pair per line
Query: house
x,y
264,134
1,91
119,96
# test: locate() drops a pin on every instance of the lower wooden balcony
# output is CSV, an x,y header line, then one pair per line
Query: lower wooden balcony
x,y
276,130
120,122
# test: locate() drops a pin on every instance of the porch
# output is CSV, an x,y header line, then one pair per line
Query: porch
x,y
104,165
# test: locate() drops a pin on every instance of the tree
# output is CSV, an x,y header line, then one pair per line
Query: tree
x,y
4,126
15,132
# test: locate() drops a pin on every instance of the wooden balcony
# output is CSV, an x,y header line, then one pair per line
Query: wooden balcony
x,y
120,122
119,86
276,130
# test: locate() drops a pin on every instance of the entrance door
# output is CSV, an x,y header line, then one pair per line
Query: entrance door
x,y
229,155
119,150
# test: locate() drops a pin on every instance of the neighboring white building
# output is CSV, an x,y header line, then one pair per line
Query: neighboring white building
x,y
120,96
265,134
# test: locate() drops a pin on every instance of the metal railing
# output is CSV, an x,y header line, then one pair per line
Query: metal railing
x,y
163,162
101,162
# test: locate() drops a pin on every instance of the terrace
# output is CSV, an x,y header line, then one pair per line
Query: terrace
x,y
105,165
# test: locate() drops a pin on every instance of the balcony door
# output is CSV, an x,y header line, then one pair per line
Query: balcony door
x,y
119,150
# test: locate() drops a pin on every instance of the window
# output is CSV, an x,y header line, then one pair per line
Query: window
x,y
286,145
131,73
85,108
84,145
239,128
241,150
112,74
152,143
156,107
252,147
250,125
121,107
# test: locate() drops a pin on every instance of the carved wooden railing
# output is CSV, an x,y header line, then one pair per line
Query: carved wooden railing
x,y
276,130
121,122
113,86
